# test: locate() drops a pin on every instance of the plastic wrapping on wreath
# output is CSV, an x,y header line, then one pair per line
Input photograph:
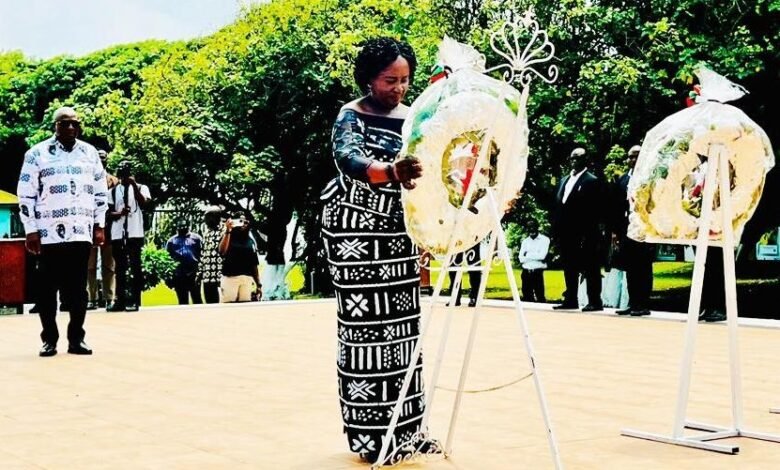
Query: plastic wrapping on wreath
x,y
447,127
667,186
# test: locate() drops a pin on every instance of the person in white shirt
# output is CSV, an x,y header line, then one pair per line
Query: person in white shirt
x,y
126,202
533,251
62,203
580,213
102,255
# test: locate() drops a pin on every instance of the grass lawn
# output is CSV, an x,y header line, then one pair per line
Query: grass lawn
x,y
667,275
671,287
163,295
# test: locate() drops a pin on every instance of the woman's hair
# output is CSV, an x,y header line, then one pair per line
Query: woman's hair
x,y
378,53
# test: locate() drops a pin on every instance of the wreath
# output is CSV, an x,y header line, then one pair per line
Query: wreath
x,y
447,131
667,187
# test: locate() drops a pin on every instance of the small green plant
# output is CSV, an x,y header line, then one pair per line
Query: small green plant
x,y
157,266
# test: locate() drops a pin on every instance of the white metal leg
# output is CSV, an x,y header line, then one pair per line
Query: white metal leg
x,y
525,331
469,346
404,392
730,284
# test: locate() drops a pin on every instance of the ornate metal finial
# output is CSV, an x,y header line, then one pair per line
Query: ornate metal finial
x,y
520,62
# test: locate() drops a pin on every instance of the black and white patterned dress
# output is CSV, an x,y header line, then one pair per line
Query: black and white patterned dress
x,y
373,266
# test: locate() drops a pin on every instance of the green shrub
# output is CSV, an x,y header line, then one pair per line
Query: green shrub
x,y
157,266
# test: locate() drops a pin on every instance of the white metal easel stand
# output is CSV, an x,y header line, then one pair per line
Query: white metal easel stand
x,y
718,164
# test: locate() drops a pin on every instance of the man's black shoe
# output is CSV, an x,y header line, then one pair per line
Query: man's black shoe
x,y
134,308
81,349
640,313
91,306
115,307
566,306
593,308
473,303
712,316
48,350
625,311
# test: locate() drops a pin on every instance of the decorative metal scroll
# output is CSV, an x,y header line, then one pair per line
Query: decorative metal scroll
x,y
418,449
522,61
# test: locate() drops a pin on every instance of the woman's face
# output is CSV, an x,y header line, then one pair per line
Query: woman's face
x,y
390,86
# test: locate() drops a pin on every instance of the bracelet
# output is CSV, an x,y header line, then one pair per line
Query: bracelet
x,y
390,172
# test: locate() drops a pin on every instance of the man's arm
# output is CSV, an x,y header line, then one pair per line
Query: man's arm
x,y
170,247
27,191
523,256
141,193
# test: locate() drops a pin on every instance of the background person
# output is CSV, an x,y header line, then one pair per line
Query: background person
x,y
473,259
240,276
211,260
578,229
126,203
102,254
533,252
631,256
185,248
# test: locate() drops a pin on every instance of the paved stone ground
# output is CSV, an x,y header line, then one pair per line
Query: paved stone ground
x,y
253,387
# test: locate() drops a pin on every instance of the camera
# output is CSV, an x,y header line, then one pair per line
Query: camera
x,y
124,170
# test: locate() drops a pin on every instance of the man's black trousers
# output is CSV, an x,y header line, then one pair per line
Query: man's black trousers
x,y
127,256
63,269
187,286
533,285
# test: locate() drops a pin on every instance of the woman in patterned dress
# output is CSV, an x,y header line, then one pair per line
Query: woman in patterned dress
x,y
373,263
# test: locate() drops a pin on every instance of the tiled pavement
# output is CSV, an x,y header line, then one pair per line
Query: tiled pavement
x,y
253,387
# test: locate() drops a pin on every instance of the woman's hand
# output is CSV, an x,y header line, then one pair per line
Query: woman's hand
x,y
228,225
258,292
407,169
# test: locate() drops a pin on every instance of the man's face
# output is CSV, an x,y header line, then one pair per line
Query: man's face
x,y
212,219
67,127
533,230
103,157
183,229
124,172
631,159
578,160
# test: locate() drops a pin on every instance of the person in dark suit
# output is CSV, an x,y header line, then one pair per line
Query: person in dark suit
x,y
633,257
473,260
579,215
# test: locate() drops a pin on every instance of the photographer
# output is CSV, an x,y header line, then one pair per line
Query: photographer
x,y
239,267
126,202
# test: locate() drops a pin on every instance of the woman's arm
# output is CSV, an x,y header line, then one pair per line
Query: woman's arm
x,y
351,159
224,244
256,277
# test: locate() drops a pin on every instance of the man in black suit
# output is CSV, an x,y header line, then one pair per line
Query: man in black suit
x,y
578,222
473,260
633,257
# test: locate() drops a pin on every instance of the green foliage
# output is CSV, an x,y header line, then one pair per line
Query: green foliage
x,y
157,266
242,118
